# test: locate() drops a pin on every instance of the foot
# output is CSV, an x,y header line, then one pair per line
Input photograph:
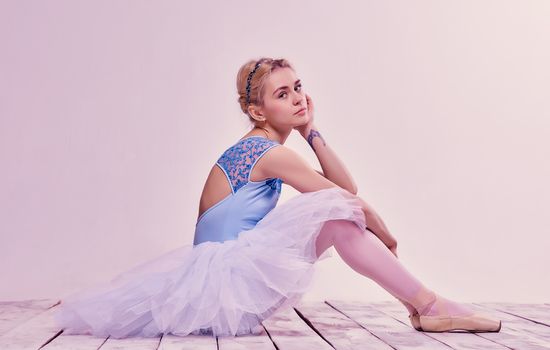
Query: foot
x,y
413,315
415,321
441,306
442,315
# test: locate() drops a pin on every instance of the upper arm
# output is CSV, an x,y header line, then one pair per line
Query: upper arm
x,y
284,163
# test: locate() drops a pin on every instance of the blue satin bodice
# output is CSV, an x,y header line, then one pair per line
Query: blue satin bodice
x,y
248,202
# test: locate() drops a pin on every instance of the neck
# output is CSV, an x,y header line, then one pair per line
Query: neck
x,y
273,134
266,132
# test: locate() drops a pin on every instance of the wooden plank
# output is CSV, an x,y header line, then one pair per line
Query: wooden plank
x,y
188,342
29,324
455,339
133,343
75,342
166,342
387,329
14,313
527,334
288,331
260,341
538,313
59,340
337,329
38,304
31,334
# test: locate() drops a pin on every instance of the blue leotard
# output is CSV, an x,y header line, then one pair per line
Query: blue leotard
x,y
248,202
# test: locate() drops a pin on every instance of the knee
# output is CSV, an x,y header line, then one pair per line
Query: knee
x,y
344,230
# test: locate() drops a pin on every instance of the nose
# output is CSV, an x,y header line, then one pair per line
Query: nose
x,y
299,99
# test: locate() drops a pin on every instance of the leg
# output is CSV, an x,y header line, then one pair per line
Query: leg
x,y
325,240
367,255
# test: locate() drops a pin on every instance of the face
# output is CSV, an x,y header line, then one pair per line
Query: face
x,y
283,97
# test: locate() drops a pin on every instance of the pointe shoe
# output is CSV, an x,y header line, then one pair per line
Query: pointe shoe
x,y
413,317
476,322
421,298
415,321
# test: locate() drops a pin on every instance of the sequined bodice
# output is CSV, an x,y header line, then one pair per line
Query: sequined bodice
x,y
248,202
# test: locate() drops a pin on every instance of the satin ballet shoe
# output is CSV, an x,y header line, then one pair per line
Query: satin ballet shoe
x,y
423,298
477,322
415,321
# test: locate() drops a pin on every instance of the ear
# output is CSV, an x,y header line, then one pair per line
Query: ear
x,y
256,113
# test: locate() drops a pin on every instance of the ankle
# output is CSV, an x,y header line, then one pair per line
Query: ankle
x,y
428,308
446,307
408,306
424,300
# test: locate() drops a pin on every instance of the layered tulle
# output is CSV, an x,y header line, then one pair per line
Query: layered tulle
x,y
216,288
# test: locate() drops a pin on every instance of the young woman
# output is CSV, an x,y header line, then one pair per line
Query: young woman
x,y
251,258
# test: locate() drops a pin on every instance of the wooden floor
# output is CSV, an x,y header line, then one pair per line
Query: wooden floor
x,y
310,325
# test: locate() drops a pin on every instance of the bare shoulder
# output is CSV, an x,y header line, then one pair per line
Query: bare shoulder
x,y
287,164
279,156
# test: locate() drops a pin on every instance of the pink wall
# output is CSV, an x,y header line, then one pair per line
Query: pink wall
x,y
112,113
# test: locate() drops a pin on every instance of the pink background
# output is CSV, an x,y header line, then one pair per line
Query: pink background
x,y
113,112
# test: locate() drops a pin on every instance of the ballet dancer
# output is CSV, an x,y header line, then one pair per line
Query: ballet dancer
x,y
252,257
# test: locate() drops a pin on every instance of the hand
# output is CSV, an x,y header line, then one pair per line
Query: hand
x,y
305,128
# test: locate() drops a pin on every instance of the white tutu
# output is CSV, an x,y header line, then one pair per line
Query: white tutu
x,y
215,288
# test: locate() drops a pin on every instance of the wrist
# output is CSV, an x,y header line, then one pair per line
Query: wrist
x,y
305,133
311,134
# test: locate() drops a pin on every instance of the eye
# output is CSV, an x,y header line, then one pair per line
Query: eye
x,y
284,92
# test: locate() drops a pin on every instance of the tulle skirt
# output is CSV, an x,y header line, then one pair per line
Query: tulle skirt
x,y
215,288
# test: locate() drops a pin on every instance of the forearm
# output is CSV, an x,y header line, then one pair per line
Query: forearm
x,y
377,226
333,168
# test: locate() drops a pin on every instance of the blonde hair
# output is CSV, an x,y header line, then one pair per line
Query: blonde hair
x,y
257,82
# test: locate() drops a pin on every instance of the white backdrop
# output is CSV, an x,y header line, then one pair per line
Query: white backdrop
x,y
112,113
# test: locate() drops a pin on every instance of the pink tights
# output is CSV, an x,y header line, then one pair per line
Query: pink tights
x,y
365,253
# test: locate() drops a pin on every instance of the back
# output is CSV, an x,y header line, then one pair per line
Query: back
x,y
247,202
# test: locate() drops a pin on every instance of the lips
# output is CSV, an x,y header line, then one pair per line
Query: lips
x,y
300,110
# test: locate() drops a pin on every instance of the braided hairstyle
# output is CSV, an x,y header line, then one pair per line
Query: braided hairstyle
x,y
251,79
